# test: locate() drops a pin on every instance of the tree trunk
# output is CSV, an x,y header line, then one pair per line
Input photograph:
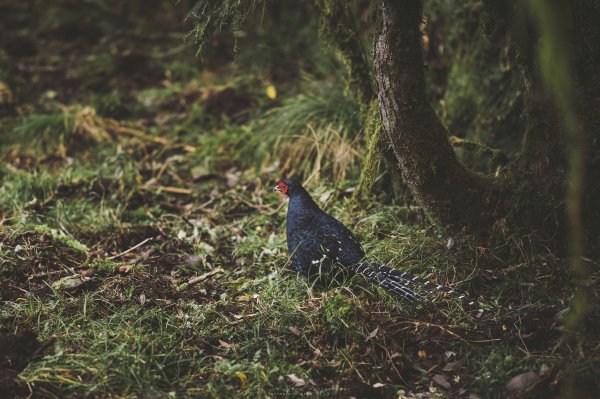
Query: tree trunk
x,y
530,193
339,26
452,195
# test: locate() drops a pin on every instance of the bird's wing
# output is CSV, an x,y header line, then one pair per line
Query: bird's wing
x,y
314,252
350,249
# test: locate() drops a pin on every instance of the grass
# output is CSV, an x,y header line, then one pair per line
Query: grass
x,y
243,331
185,288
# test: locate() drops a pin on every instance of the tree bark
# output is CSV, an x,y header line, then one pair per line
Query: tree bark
x,y
530,193
452,195
338,25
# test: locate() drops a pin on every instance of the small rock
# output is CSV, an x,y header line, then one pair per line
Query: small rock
x,y
521,381
295,330
441,381
451,243
452,366
70,282
296,381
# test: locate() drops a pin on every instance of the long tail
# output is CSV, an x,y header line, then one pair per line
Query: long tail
x,y
379,276
397,281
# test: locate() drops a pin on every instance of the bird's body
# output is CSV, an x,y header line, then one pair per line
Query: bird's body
x,y
316,240
320,244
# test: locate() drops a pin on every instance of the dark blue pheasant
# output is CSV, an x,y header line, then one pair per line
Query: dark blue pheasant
x,y
319,243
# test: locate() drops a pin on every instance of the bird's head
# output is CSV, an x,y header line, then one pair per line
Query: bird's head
x,y
288,187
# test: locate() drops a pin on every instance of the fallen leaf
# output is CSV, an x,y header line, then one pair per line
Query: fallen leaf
x,y
451,243
449,355
441,381
297,381
242,376
378,385
232,179
271,92
422,354
295,330
142,298
124,268
372,334
325,196
244,298
521,381
224,344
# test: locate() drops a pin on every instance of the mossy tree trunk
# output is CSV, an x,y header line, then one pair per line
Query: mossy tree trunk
x,y
530,193
339,25
451,194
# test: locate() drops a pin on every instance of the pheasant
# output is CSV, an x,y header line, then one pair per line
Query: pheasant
x,y
320,244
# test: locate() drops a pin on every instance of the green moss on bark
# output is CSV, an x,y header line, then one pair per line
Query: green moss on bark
x,y
377,147
339,26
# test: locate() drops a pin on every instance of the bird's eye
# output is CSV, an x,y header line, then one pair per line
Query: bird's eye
x,y
283,187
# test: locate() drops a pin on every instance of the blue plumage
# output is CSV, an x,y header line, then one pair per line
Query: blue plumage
x,y
318,243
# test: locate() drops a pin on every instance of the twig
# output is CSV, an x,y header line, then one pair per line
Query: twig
x,y
41,275
203,277
276,210
176,176
162,170
258,207
418,324
130,249
496,154
195,280
141,135
169,189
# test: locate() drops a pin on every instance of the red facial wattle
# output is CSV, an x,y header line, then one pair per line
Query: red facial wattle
x,y
283,187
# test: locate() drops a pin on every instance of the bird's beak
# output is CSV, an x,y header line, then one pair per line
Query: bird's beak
x,y
276,188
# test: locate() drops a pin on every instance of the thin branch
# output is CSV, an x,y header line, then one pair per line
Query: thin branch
x,y
130,249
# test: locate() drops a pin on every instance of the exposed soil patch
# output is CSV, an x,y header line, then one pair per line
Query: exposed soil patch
x,y
147,244
16,351
32,261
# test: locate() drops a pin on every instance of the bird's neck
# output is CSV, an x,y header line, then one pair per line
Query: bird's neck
x,y
300,207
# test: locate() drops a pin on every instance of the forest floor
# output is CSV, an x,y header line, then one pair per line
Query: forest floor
x,y
142,255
